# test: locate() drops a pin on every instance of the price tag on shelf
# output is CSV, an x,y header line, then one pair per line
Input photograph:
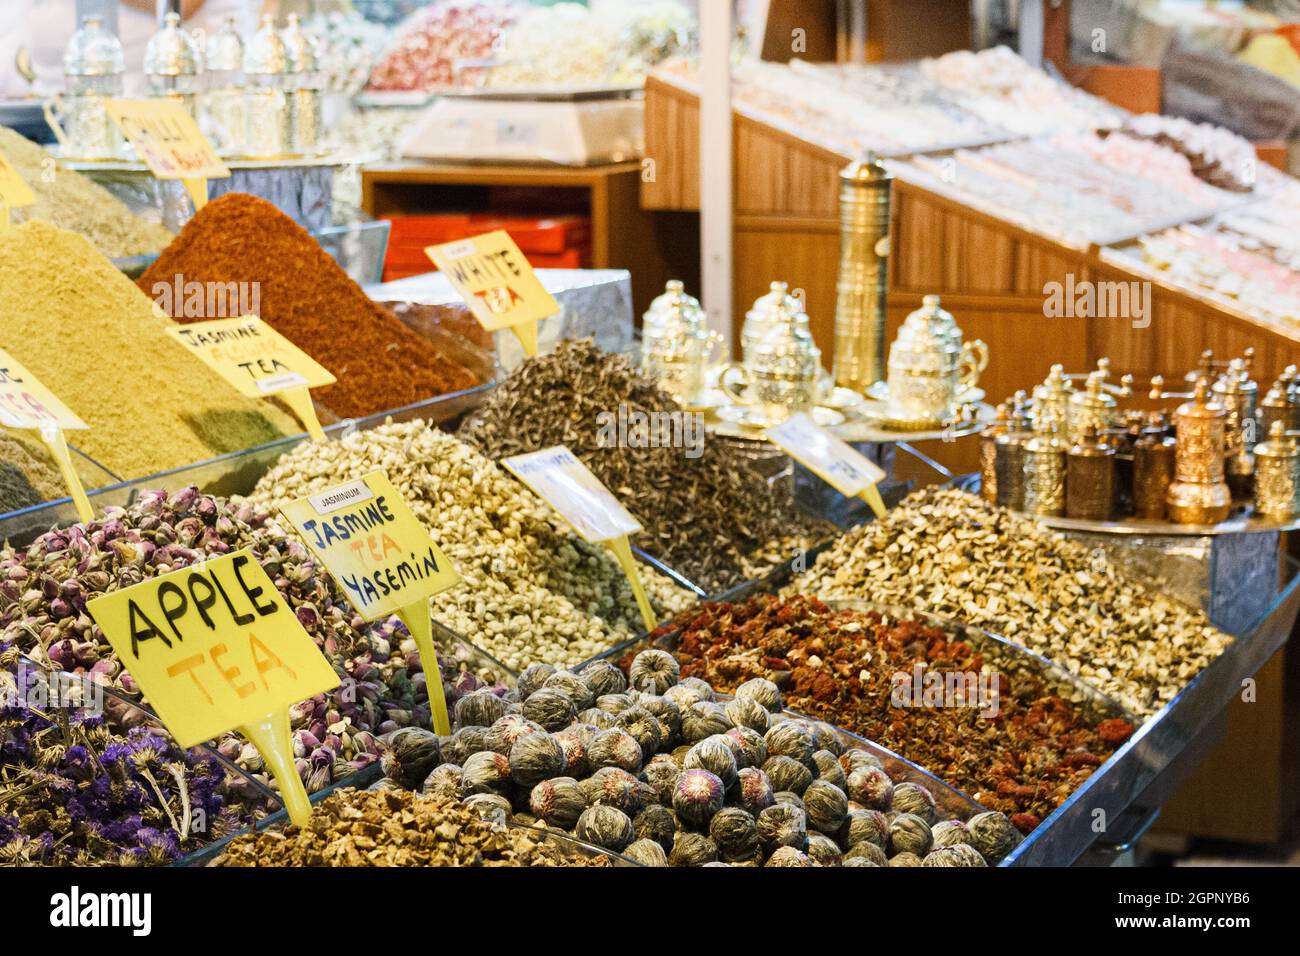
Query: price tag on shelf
x,y
14,191
835,462
568,486
214,647
383,558
169,142
259,362
27,404
496,281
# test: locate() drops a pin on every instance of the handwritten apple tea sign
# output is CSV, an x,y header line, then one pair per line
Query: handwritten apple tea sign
x,y
214,647
379,552
496,281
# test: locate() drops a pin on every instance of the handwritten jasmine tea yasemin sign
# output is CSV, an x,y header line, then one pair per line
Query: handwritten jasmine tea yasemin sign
x,y
214,647
375,547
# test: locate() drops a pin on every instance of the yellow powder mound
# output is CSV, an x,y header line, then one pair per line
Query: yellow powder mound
x,y
98,343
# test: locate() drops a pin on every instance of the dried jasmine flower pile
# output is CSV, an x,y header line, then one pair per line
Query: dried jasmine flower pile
x,y
44,589
659,769
79,790
710,517
531,589
395,828
952,554
841,666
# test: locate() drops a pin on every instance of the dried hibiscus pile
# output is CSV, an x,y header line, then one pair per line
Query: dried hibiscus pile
x,y
1020,748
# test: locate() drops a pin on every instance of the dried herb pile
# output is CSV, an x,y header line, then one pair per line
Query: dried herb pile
x,y
44,590
27,476
660,769
71,201
394,828
841,666
307,297
955,555
707,517
77,789
531,589
91,337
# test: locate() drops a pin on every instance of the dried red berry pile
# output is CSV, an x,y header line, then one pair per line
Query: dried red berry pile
x,y
840,666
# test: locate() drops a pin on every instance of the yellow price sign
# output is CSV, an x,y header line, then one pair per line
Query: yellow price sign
x,y
14,191
496,281
258,361
567,485
27,404
835,462
383,558
214,647
169,142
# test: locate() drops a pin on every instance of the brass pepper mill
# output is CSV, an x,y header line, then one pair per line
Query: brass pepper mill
x,y
988,454
1237,393
1291,384
1126,462
1045,464
1277,475
1010,452
1199,494
1153,469
1052,400
1090,478
1092,406
865,191
1274,407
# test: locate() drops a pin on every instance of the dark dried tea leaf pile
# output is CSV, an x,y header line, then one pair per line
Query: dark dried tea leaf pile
x,y
708,516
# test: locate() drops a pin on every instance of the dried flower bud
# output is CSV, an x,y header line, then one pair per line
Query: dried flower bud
x,y
909,833
603,678
533,678
485,772
782,825
915,799
746,712
615,748
559,802
993,835
653,671
788,856
905,860
536,757
482,708
787,774
829,769
753,791
692,849
826,806
715,755
823,851
762,692
613,787
573,685
550,707
864,826
873,854
698,795
871,787
503,733
790,739
443,782
704,719
410,754
735,833
646,852
656,823
602,826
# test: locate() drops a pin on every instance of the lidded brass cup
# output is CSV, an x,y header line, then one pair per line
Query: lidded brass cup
x,y
1199,494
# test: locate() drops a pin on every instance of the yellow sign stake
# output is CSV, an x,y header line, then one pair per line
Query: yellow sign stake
x,y
214,647
382,557
567,485
14,191
300,403
835,462
198,190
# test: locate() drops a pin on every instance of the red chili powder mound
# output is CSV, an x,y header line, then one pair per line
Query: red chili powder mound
x,y
304,294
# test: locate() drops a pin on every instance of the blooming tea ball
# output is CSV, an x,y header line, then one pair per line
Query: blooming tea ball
x,y
703,686
644,728
646,852
558,802
491,807
682,696
871,787
585,732
443,782
669,716
782,825
409,755
744,712
993,835
867,851
713,754
482,708
787,774
600,719
829,769
864,826
824,851
551,708
485,772
735,833
762,692
909,833
603,678
698,796
661,773
613,787
947,833
653,671
533,678
790,739
614,748
692,849
915,799
753,751
614,703
855,759
656,823
573,685
470,740
704,719
575,753
534,758
605,827
826,806
503,733
753,791
788,856
788,798
957,855
905,860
